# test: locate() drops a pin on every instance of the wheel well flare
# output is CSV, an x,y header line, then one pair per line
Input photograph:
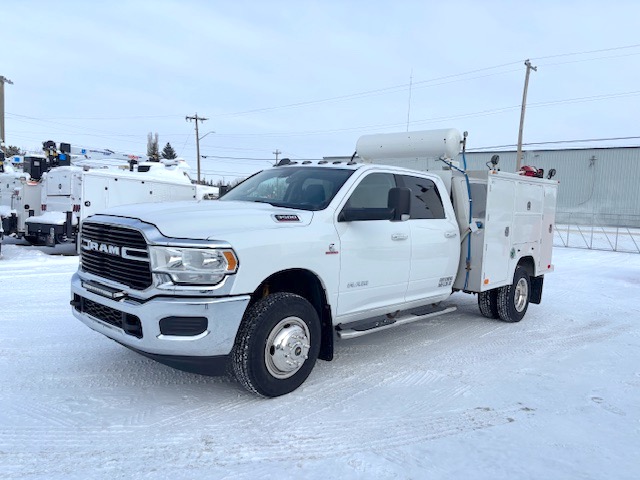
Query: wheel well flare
x,y
306,284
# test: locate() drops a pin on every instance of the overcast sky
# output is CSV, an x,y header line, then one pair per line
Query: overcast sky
x,y
308,78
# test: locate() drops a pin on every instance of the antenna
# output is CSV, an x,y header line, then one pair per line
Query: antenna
x,y
409,106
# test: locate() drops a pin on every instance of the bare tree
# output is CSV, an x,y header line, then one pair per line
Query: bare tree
x,y
153,151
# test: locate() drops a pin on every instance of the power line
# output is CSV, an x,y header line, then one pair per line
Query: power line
x,y
424,121
555,142
127,117
423,83
226,172
624,47
588,59
367,93
238,158
480,113
404,86
383,90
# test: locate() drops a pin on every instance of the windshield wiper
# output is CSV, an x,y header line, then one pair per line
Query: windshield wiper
x,y
274,204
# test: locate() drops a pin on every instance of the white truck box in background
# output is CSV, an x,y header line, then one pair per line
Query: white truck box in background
x,y
71,193
20,198
102,189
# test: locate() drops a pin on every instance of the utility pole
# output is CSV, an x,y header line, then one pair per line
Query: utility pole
x,y
524,105
197,119
276,153
3,80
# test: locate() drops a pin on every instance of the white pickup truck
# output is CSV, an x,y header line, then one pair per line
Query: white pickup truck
x,y
263,281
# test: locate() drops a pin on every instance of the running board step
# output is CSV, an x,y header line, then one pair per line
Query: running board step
x,y
364,327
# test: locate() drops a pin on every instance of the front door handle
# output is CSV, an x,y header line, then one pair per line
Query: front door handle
x,y
399,236
450,234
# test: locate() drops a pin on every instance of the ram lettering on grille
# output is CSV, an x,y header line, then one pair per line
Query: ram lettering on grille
x,y
88,244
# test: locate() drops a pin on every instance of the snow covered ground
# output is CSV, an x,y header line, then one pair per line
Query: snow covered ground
x,y
556,396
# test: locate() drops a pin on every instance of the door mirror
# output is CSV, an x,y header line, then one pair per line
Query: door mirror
x,y
400,203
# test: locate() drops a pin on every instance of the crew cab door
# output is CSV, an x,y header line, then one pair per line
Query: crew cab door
x,y
374,254
435,240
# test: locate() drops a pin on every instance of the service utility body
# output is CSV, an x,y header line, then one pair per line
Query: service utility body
x,y
265,280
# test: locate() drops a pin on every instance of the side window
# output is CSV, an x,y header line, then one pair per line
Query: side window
x,y
372,192
425,199
479,196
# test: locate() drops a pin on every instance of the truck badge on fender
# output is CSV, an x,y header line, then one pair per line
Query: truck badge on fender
x,y
287,218
332,249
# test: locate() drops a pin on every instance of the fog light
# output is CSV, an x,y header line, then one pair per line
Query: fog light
x,y
183,326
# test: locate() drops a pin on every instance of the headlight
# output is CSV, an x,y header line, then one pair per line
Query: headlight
x,y
193,266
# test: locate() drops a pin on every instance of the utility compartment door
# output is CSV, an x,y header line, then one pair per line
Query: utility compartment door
x,y
548,224
59,183
94,194
501,195
528,219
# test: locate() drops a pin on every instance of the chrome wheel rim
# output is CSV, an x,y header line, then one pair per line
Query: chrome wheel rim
x,y
287,347
521,295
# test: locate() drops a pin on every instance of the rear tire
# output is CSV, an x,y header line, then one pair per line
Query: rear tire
x,y
33,240
277,344
488,303
513,300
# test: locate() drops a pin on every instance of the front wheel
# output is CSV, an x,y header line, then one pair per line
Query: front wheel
x,y
277,344
513,300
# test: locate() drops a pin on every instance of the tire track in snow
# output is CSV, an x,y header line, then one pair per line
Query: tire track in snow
x,y
389,432
252,443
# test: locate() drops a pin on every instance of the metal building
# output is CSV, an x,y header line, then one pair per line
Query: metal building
x,y
598,186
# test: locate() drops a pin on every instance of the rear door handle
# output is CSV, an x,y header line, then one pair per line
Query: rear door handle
x,y
399,236
450,234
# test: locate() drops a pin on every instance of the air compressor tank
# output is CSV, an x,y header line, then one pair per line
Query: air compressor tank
x,y
410,145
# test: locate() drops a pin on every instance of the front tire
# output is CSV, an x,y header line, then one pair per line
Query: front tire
x,y
513,300
277,344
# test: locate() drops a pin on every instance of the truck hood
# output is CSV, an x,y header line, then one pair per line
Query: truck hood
x,y
211,219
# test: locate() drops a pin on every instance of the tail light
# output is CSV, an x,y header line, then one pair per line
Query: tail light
x,y
76,208
43,207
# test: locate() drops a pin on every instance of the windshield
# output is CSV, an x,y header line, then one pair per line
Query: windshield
x,y
304,188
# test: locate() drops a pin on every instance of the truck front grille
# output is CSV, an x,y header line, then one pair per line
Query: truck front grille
x,y
127,322
115,253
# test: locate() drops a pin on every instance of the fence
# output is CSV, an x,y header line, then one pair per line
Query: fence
x,y
597,231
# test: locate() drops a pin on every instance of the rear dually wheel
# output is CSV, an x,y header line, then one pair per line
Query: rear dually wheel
x,y
513,300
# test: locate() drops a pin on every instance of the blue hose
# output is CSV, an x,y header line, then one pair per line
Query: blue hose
x,y
468,264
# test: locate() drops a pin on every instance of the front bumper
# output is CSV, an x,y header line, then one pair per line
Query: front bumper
x,y
223,314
